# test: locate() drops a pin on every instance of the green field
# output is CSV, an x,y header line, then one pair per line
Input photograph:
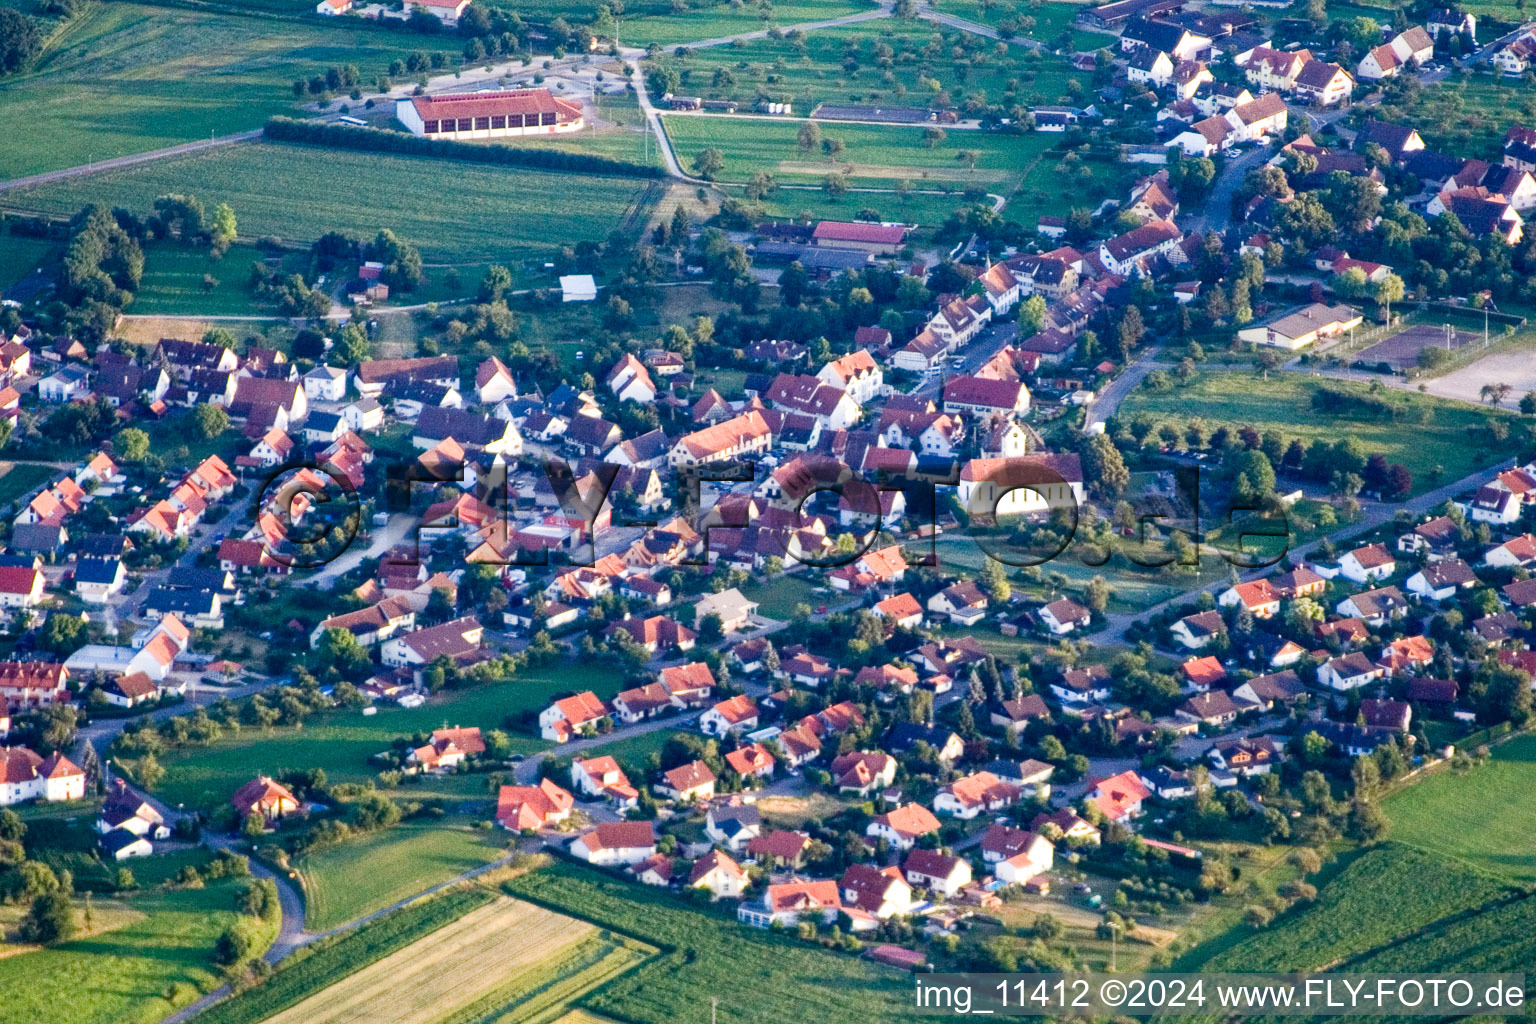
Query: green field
x,y
634,753
1447,812
19,479
455,212
315,967
1041,20
1466,116
1024,169
1283,404
123,78
777,597
924,65
341,742
722,19
1387,893
174,282
19,255
756,975
358,877
874,156
133,975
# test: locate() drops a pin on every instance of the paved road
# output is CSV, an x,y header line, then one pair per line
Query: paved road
x,y
117,163
1107,402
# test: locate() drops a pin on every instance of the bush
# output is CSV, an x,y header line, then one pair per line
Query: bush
x,y
375,140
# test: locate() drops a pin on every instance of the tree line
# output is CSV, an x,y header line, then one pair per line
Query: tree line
x,y
374,140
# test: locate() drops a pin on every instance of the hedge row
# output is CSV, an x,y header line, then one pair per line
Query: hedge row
x,y
376,140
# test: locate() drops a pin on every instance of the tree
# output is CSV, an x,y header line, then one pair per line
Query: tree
x,y
994,580
1390,290
352,346
211,420
1130,329
1032,315
20,40
809,136
149,772
221,229
495,283
933,138
50,919
131,445
709,163
1105,466
64,634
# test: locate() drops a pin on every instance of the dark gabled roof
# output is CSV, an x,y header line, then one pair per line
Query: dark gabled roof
x,y
468,428
97,570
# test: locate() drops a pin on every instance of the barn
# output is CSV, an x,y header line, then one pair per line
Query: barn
x,y
489,115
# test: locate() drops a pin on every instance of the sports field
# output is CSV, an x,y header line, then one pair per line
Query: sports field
x,y
1401,351
454,212
1449,812
123,78
508,948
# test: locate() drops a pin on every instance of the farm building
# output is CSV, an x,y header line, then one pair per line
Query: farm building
x,y
490,115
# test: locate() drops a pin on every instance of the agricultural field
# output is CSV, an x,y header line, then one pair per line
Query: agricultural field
x,y
158,960
324,963
1283,404
1441,813
504,953
342,741
296,193
121,78
714,956
19,255
925,65
357,877
1388,892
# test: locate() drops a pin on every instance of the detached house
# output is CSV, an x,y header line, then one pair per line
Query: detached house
x,y
1366,564
904,826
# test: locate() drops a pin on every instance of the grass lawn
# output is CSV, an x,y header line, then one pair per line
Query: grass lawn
x,y
777,598
634,753
722,19
345,882
756,975
298,193
1441,813
1283,404
19,255
1467,115
341,742
174,282
122,78
812,203
17,479
875,156
134,975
